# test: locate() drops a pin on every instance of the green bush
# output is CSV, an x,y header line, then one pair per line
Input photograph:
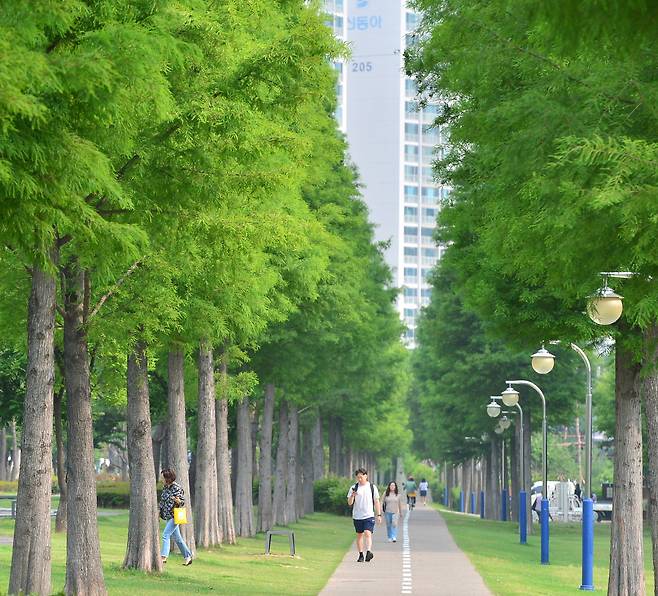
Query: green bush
x,y
329,494
11,486
114,494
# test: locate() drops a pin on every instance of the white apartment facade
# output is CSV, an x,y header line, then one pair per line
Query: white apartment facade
x,y
392,142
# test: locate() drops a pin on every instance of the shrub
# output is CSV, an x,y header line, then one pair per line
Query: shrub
x,y
329,494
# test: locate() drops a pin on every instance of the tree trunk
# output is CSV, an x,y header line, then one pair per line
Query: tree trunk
x,y
206,525
244,511
308,471
515,472
143,550
30,561
225,494
3,454
279,499
335,446
291,483
177,436
650,391
626,575
254,442
299,492
317,448
60,520
158,435
15,454
84,570
265,518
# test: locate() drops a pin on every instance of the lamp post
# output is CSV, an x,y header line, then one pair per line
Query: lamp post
x,y
511,399
510,394
588,505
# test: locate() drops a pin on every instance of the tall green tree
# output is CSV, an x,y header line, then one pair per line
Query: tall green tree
x,y
549,166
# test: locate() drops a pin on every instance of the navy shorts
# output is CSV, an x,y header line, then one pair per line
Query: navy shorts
x,y
361,525
423,493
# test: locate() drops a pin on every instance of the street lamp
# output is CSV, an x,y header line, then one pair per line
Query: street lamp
x,y
588,505
510,397
605,307
544,501
543,361
493,409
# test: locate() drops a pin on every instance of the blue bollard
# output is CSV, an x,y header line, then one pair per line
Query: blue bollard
x,y
523,519
588,545
445,496
544,532
472,502
481,504
461,501
503,505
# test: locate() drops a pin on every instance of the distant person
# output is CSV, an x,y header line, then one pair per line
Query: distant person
x,y
423,487
578,492
393,511
536,507
410,488
363,498
172,496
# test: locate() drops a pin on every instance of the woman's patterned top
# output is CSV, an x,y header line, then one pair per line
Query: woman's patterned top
x,y
167,504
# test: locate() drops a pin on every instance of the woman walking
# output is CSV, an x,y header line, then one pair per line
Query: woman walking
x,y
392,507
423,487
172,496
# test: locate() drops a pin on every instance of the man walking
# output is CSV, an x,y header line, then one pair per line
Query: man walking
x,y
363,497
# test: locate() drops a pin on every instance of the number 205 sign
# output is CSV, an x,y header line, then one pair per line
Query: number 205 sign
x,y
362,66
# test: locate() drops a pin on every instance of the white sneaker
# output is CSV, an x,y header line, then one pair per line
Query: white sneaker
x,y
390,539
188,561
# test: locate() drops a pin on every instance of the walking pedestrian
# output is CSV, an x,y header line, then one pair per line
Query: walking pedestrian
x,y
393,511
172,496
423,488
363,497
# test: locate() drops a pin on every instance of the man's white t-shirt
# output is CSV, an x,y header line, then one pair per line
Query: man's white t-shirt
x,y
423,486
363,507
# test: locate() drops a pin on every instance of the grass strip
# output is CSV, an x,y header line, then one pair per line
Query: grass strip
x,y
510,568
322,540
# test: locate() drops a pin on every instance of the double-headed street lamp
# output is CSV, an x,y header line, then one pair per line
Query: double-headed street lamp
x,y
494,410
511,396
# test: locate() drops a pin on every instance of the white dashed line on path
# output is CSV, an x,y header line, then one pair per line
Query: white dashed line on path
x,y
407,580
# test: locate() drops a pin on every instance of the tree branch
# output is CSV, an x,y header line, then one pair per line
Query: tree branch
x,y
114,288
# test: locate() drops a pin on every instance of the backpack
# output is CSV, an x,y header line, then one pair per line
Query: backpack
x,y
372,492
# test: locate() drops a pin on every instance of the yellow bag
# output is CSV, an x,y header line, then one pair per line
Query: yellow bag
x,y
180,515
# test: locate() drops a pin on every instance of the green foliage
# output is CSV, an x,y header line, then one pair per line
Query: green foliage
x,y
548,163
457,366
330,495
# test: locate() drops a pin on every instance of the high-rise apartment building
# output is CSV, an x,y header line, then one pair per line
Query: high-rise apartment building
x,y
392,142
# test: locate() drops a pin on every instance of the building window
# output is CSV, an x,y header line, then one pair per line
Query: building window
x,y
410,292
411,215
410,87
428,154
431,195
410,275
431,134
424,273
411,234
411,194
428,175
411,153
411,131
411,251
411,109
411,173
427,236
412,21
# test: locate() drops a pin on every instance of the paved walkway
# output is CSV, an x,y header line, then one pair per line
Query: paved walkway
x,y
425,560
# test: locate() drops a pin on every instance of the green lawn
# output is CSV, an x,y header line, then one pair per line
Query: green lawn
x,y
322,540
508,567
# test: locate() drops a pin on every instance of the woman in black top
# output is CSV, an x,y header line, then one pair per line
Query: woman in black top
x,y
172,496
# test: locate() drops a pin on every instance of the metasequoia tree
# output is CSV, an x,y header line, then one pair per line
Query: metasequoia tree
x,y
551,144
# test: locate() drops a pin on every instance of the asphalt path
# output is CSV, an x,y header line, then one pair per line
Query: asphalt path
x,y
424,561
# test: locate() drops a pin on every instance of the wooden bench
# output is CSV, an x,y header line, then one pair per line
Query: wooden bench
x,y
291,540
